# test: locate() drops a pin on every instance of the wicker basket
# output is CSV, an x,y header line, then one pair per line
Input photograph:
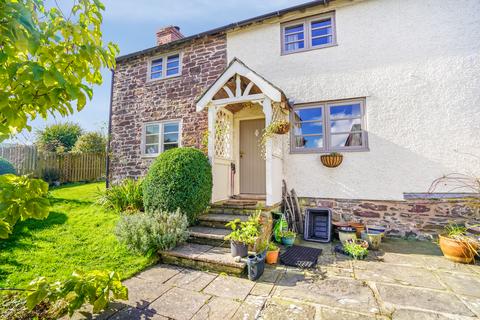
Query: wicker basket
x,y
331,160
282,127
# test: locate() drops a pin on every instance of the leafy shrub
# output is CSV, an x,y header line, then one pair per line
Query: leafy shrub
x,y
355,250
51,175
179,178
126,196
6,167
97,288
21,198
90,142
146,233
58,137
245,232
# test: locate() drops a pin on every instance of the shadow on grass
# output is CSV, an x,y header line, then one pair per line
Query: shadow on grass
x,y
54,201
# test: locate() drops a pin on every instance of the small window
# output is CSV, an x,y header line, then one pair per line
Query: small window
x,y
330,126
165,67
309,33
159,137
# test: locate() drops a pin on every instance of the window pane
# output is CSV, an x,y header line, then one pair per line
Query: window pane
x,y
171,72
308,142
321,32
170,137
321,23
346,140
175,57
156,68
156,75
321,41
308,114
151,128
157,62
170,127
170,146
294,37
294,29
151,149
308,128
346,125
172,64
351,110
294,46
151,139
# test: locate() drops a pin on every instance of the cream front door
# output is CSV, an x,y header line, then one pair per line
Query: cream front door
x,y
252,165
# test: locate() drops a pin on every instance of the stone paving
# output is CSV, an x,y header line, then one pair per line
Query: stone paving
x,y
404,280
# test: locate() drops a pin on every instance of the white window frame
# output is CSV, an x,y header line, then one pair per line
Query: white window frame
x,y
327,148
161,125
164,58
307,23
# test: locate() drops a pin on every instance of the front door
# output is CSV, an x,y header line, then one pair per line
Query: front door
x,y
252,165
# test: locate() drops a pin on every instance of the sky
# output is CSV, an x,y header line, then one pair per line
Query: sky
x,y
133,24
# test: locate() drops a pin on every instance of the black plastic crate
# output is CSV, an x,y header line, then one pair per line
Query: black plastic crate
x,y
318,225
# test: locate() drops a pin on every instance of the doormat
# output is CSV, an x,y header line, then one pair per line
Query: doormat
x,y
301,257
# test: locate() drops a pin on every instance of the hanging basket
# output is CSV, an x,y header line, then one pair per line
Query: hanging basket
x,y
281,127
331,160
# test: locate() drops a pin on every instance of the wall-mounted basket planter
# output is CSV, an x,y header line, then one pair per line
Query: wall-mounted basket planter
x,y
331,160
280,127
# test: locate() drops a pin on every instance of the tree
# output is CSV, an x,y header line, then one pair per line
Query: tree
x,y
90,142
58,137
49,61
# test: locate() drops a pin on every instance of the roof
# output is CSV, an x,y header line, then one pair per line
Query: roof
x,y
230,26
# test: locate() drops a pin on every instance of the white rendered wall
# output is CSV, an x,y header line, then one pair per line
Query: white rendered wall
x,y
418,65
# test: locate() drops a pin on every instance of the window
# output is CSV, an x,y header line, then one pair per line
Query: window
x,y
160,136
310,33
164,67
329,126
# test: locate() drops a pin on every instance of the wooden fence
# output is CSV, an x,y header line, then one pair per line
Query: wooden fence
x,y
68,167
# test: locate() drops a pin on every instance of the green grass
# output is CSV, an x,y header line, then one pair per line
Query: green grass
x,y
77,235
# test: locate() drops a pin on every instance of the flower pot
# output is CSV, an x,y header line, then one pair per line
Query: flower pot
x,y
376,229
359,227
346,234
256,265
456,250
374,240
331,160
272,256
282,128
238,249
288,241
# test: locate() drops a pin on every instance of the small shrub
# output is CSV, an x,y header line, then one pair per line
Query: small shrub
x,y
179,178
147,233
6,167
58,137
126,196
90,142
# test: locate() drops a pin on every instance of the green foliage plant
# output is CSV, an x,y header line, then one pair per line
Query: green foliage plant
x,y
355,250
21,198
6,167
147,232
272,246
126,196
179,178
288,234
90,142
245,232
58,137
96,288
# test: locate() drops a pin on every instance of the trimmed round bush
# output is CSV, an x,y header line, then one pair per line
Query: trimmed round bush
x,y
6,167
179,178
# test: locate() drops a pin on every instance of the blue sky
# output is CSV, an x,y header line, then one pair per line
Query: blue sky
x,y
132,25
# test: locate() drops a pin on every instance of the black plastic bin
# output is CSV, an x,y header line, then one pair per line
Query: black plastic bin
x,y
318,225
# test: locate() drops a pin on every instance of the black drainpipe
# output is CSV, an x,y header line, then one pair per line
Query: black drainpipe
x,y
107,180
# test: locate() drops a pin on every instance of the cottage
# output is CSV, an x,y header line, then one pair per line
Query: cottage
x,y
391,85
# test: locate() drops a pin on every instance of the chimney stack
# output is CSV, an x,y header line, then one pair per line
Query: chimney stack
x,y
168,34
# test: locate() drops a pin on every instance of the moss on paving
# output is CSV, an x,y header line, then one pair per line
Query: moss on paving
x,y
77,235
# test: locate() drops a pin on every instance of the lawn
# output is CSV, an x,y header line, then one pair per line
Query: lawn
x,y
77,235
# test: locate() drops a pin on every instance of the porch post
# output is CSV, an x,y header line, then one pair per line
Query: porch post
x,y
212,115
267,111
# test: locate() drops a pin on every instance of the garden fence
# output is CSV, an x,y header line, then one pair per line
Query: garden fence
x,y
67,167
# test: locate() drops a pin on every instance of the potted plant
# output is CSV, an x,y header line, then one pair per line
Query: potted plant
x,y
244,233
256,262
355,249
272,253
288,238
347,233
331,160
359,227
456,245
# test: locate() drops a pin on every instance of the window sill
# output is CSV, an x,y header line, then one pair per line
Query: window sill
x,y
165,78
284,53
321,152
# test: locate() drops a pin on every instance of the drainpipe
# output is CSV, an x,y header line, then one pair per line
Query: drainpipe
x,y
107,180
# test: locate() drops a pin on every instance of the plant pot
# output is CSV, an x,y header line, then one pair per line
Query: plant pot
x,y
282,128
374,240
256,265
288,241
456,250
376,229
359,227
238,249
272,256
346,234
331,160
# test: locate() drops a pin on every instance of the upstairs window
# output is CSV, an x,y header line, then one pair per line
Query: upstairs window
x,y
160,136
164,67
309,33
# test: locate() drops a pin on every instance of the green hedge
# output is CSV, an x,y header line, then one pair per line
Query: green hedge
x,y
179,178
6,167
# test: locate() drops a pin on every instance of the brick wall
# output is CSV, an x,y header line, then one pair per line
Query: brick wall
x,y
136,101
419,219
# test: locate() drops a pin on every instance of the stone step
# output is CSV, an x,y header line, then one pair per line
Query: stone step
x,y
203,257
219,220
210,236
232,211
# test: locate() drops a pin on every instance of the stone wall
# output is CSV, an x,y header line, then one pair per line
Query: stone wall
x,y
421,219
136,101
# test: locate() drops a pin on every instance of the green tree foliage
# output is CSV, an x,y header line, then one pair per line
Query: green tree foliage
x,y
90,142
21,198
6,167
58,137
179,178
49,60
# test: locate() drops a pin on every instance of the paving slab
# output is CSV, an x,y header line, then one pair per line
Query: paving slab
x,y
217,309
440,262
189,250
230,287
405,314
159,273
131,313
142,292
86,312
191,279
396,297
250,309
467,284
279,309
339,314
262,289
179,303
473,304
271,274
412,260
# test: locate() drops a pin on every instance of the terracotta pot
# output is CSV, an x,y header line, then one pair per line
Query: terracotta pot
x,y
456,250
359,227
272,256
331,160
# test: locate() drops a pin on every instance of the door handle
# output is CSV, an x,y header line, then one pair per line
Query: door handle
x,y
241,154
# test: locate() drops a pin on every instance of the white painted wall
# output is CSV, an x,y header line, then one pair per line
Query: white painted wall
x,y
418,65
